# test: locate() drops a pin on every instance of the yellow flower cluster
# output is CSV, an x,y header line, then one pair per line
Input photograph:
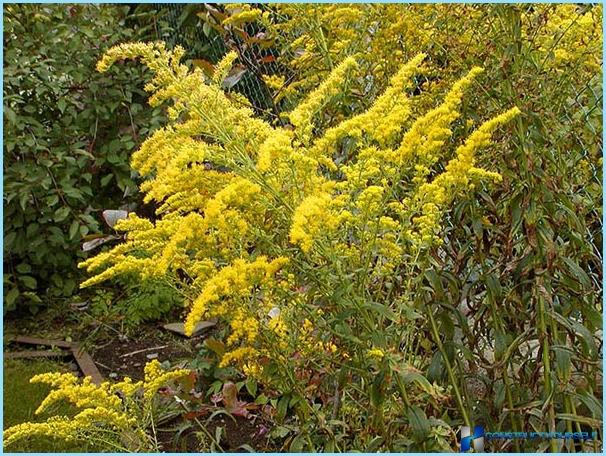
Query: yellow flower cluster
x,y
241,13
102,414
571,39
236,280
222,68
433,196
384,120
313,218
251,213
313,39
155,378
274,82
376,353
302,117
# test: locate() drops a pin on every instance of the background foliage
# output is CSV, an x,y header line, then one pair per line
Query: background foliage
x,y
68,134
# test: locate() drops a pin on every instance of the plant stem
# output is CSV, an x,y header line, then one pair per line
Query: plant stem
x,y
451,376
546,360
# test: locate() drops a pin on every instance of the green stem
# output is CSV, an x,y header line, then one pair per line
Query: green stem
x,y
543,334
451,376
514,421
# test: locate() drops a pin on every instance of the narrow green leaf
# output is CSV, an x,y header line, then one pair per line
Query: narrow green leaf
x,y
418,421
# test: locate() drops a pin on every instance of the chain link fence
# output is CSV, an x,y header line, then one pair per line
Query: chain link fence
x,y
183,28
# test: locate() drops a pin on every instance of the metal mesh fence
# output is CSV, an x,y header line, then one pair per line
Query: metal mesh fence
x,y
184,29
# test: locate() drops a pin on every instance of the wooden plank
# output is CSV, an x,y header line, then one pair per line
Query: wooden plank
x,y
37,354
87,365
38,341
84,360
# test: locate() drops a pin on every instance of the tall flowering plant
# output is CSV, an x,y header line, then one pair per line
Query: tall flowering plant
x,y
303,240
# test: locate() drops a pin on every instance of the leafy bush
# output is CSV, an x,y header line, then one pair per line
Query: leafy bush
x,y
68,134
138,302
304,249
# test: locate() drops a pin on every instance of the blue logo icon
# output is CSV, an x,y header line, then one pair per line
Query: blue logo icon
x,y
477,438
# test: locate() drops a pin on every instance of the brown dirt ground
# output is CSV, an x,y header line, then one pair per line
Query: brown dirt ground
x,y
126,357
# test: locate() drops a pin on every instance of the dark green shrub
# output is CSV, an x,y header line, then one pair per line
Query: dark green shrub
x,y
68,134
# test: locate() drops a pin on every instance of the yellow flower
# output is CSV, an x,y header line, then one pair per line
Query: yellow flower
x,y
302,116
376,353
222,68
232,281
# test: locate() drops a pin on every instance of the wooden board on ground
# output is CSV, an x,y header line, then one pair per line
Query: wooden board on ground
x,y
37,354
83,359
179,327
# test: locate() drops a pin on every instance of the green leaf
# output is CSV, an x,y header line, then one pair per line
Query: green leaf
x,y
24,198
251,387
374,444
73,229
11,297
32,297
577,272
215,345
563,359
409,376
68,287
381,309
282,408
28,281
261,399
499,396
594,405
61,214
24,268
591,422
494,287
61,104
377,390
577,328
418,422
52,200
298,444
279,432
106,179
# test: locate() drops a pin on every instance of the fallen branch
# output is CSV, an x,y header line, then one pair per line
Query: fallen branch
x,y
143,350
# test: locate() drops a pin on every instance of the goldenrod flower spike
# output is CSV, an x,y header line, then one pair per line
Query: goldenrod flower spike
x,y
222,68
383,120
302,116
